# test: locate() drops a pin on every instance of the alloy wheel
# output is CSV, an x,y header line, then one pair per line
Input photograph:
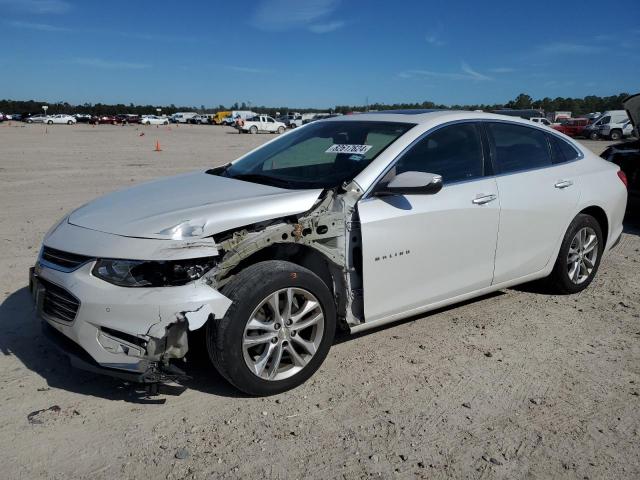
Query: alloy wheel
x,y
283,334
582,256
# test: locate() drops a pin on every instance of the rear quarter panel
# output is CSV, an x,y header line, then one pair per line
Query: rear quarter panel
x,y
601,187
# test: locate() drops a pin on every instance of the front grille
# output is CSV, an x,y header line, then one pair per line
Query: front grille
x,y
58,303
65,260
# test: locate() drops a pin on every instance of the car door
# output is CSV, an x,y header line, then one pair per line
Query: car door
x,y
271,125
538,197
419,250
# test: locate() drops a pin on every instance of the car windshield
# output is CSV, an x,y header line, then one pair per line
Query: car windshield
x,y
320,155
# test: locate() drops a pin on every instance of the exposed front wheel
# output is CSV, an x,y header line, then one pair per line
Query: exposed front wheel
x,y
278,330
579,256
253,129
280,130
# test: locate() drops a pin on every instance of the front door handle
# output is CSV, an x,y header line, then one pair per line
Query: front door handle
x,y
482,199
563,184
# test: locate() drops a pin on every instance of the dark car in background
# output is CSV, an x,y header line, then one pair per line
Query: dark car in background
x,y
127,118
105,120
627,155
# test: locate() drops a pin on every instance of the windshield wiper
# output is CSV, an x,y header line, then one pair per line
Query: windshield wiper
x,y
265,180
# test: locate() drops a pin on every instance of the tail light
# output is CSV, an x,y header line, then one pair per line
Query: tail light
x,y
623,178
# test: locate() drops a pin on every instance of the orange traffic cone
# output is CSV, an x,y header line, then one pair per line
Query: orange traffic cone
x,y
158,149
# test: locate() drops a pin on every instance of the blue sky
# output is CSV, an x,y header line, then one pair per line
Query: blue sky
x,y
316,53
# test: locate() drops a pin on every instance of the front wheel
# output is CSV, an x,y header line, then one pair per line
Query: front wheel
x,y
594,136
579,256
278,330
69,122
50,122
253,129
280,130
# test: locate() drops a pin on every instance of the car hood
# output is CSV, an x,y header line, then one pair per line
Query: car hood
x,y
632,106
193,205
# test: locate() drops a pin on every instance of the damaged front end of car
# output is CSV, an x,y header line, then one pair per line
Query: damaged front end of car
x,y
132,319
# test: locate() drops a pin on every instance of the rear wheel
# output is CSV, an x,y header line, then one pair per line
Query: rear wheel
x,y
579,256
50,122
278,330
280,130
69,122
615,135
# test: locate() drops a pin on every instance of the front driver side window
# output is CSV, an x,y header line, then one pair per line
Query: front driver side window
x,y
454,152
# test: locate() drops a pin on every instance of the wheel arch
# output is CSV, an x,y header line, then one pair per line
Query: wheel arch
x,y
601,217
299,254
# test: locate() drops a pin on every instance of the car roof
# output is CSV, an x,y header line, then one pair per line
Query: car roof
x,y
425,116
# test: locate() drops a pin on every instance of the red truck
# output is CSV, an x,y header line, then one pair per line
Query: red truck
x,y
572,127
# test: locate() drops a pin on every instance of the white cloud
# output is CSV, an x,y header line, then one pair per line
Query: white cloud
x,y
474,74
110,64
246,69
43,27
502,70
326,27
466,73
39,7
435,40
560,48
278,15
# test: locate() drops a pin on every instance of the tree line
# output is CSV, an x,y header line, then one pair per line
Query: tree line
x,y
578,106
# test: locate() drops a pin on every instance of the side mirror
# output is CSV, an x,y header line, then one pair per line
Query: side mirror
x,y
412,183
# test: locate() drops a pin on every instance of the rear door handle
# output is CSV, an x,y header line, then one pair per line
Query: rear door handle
x,y
563,184
481,200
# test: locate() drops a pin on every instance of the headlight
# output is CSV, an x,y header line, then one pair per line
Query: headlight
x,y
144,273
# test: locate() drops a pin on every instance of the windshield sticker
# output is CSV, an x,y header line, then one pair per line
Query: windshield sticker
x,y
358,149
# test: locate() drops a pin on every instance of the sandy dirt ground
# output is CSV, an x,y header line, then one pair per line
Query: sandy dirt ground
x,y
519,384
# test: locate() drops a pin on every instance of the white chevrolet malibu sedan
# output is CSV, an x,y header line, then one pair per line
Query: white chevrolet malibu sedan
x,y
350,222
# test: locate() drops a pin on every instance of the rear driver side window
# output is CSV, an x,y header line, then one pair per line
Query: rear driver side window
x,y
518,148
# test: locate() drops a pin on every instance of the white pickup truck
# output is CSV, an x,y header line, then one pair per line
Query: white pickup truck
x,y
260,123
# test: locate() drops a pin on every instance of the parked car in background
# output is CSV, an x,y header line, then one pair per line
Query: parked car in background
x,y
572,127
556,117
154,120
616,131
83,117
219,117
127,118
182,117
238,115
541,121
613,118
37,118
200,119
105,120
627,155
61,118
354,221
261,124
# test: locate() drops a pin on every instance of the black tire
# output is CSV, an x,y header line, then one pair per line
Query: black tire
x,y
280,130
559,280
594,136
69,122
246,290
50,122
615,135
29,121
253,130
